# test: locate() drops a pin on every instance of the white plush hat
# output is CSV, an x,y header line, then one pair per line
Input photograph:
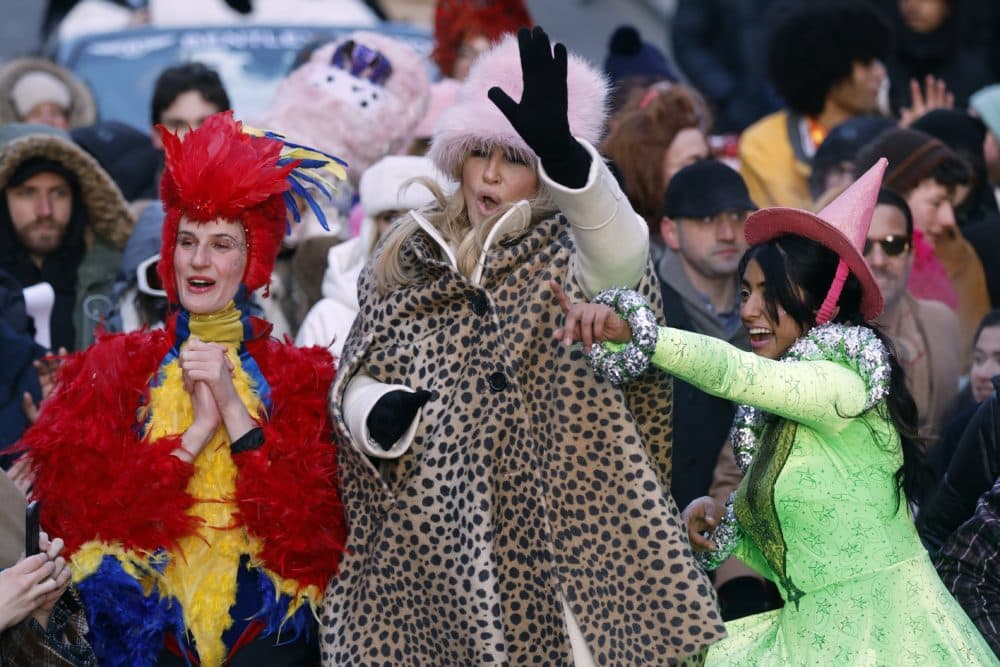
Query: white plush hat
x,y
36,87
475,122
384,186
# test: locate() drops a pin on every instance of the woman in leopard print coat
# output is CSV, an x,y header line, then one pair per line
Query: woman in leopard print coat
x,y
504,506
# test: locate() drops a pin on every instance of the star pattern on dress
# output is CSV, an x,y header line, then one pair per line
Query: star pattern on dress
x,y
825,515
824,607
852,549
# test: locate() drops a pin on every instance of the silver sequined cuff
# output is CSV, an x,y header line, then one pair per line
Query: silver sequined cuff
x,y
726,537
630,361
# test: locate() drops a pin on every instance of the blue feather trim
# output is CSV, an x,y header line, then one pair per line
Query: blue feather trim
x,y
298,189
274,610
126,627
320,185
293,208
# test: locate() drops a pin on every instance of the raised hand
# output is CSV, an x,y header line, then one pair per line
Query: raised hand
x,y
588,322
47,368
540,117
935,95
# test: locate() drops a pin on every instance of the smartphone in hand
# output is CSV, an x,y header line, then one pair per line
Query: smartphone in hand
x,y
31,528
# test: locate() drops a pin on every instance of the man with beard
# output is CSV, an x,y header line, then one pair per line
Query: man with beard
x,y
925,333
62,221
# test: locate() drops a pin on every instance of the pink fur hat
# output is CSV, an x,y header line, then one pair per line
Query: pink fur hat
x,y
475,122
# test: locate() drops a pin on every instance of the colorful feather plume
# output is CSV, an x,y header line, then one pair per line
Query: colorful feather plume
x,y
315,171
226,170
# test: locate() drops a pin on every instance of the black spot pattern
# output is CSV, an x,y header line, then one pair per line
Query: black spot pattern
x,y
514,492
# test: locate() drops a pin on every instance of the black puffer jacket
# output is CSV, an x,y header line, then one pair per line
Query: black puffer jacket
x,y
974,469
17,375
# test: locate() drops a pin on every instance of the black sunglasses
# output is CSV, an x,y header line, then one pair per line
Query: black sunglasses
x,y
892,245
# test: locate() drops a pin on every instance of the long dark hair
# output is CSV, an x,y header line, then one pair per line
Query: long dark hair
x,y
797,274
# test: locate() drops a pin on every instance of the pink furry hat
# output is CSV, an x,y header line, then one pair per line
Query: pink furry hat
x,y
359,98
475,122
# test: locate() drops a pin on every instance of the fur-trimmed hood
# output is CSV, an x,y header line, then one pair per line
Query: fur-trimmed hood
x,y
475,122
83,109
107,212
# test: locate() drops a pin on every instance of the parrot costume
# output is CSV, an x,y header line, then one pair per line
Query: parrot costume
x,y
199,559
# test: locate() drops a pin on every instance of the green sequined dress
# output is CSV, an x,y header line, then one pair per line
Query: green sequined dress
x,y
817,511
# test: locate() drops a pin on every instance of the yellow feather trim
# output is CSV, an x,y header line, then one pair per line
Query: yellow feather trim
x,y
87,559
202,574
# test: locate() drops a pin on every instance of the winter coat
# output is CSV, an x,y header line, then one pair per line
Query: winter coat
x,y
926,337
984,236
973,470
17,352
533,494
774,162
720,45
702,421
12,504
945,52
967,564
329,320
82,269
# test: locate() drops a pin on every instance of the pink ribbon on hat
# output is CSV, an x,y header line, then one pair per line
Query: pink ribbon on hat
x,y
830,302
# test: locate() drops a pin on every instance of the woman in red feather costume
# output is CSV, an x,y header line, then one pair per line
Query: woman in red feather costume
x,y
191,470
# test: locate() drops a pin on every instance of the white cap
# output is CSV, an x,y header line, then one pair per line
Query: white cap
x,y
384,185
36,87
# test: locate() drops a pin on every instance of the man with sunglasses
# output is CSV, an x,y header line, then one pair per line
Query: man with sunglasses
x,y
925,333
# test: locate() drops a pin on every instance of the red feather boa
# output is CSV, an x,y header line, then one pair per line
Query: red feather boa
x,y
96,480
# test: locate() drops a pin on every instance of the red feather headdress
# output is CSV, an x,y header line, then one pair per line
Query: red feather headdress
x,y
220,171
455,20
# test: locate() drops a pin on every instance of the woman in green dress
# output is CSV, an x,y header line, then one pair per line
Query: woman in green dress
x,y
824,435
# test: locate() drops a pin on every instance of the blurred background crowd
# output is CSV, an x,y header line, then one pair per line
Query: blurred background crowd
x,y
718,107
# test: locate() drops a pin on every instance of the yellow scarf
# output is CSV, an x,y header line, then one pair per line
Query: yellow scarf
x,y
224,327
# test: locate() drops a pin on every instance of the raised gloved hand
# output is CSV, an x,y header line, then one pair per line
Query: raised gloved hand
x,y
541,115
393,414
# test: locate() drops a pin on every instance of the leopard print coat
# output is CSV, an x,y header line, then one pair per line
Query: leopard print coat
x,y
529,482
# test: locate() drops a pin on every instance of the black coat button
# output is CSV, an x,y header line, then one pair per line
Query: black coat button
x,y
498,381
480,304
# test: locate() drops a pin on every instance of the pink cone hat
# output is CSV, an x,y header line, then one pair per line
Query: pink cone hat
x,y
842,226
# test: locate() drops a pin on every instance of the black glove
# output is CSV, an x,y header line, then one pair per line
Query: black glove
x,y
393,414
541,115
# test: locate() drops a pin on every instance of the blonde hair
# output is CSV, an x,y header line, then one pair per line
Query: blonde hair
x,y
451,218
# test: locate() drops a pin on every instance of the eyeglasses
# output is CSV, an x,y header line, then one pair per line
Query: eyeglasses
x,y
892,245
